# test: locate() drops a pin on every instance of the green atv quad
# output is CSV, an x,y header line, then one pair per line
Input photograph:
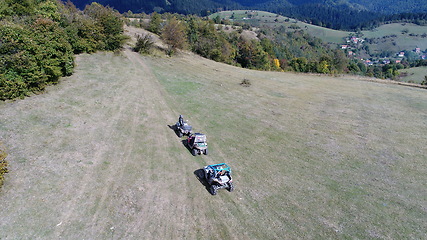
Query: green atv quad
x,y
197,144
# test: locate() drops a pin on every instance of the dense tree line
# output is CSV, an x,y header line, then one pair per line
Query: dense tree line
x,y
343,18
38,39
389,7
198,7
347,16
275,49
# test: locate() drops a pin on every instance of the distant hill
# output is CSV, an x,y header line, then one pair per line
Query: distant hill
x,y
179,6
336,14
382,6
196,6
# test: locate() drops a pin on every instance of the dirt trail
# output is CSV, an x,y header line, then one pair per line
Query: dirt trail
x,y
146,107
94,158
110,172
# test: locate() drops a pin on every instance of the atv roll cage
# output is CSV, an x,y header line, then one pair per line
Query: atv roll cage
x,y
220,167
218,176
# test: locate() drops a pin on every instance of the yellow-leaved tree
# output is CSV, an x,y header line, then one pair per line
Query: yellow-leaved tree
x,y
174,35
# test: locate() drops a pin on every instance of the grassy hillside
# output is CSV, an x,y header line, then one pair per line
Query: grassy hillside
x,y
411,39
413,75
313,157
397,37
267,19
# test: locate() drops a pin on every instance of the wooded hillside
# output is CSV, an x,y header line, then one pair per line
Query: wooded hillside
x,y
337,14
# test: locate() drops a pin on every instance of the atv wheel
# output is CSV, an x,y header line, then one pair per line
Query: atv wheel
x,y
179,134
230,187
214,189
194,152
205,151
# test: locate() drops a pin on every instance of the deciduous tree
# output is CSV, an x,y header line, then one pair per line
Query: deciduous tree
x,y
174,34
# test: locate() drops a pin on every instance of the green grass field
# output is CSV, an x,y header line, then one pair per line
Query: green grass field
x,y
414,75
408,37
313,157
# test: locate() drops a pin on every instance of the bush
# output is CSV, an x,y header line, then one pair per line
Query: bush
x,y
20,72
246,83
3,165
38,40
143,44
32,57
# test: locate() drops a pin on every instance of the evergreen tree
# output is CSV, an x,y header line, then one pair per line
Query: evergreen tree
x,y
155,23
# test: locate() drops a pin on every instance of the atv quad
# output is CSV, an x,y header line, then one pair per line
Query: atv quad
x,y
218,176
183,129
197,144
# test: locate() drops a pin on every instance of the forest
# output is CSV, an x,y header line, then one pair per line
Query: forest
x,y
341,15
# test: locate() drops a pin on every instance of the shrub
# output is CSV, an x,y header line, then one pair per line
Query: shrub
x,y
20,72
245,83
38,40
3,165
143,44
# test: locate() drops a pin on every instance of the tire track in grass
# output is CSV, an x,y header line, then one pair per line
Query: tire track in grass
x,y
116,169
158,113
156,197
140,86
89,180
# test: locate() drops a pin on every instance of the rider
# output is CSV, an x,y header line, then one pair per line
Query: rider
x,y
181,120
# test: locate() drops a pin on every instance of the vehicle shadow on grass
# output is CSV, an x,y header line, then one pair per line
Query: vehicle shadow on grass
x,y
184,142
173,127
200,175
